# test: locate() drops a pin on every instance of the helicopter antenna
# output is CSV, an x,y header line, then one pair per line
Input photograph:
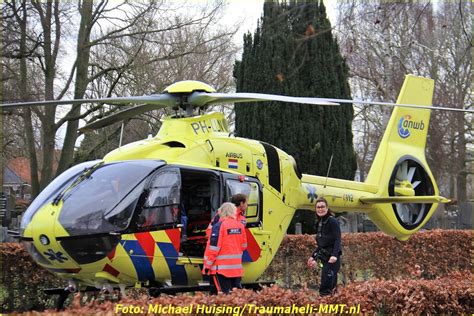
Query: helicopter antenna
x,y
121,134
329,168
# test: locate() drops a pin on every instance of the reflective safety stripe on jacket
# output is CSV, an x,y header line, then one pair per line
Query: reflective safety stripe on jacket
x,y
224,248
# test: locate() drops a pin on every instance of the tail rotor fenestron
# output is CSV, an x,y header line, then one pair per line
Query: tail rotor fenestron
x,y
409,178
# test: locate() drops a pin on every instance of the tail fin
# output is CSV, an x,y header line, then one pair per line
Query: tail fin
x,y
400,167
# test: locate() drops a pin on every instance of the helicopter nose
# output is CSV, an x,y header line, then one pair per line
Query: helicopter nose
x,y
44,247
59,248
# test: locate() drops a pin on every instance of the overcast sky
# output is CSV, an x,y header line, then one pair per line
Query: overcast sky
x,y
247,12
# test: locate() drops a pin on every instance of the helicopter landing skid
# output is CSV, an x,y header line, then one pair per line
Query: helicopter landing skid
x,y
153,291
156,291
64,294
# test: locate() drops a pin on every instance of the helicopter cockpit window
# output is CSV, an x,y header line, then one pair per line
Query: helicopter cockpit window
x,y
104,198
164,189
251,190
57,185
162,205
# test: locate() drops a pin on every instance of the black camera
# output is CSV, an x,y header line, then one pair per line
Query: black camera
x,y
321,254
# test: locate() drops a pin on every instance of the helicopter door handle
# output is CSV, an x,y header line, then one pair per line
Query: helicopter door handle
x,y
211,148
114,233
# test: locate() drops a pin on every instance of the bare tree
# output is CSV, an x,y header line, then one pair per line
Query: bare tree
x,y
20,46
198,51
127,35
383,41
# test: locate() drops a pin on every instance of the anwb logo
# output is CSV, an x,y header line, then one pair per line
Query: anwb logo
x,y
406,124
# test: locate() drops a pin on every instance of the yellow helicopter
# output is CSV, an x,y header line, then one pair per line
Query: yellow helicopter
x,y
119,221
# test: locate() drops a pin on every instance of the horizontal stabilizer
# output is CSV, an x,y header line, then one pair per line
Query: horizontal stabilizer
x,y
405,199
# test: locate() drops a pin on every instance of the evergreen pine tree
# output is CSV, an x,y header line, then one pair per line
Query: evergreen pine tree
x,y
293,52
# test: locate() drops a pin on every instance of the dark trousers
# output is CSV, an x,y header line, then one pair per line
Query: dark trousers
x,y
220,283
329,277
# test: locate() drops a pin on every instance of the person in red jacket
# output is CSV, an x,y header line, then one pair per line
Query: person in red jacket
x,y
240,201
223,254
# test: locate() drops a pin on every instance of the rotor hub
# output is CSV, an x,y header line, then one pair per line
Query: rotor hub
x,y
182,89
188,87
404,188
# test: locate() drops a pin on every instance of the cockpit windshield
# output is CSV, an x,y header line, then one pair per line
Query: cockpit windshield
x,y
103,199
58,185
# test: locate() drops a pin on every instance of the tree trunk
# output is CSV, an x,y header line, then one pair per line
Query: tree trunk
x,y
50,54
30,140
82,63
461,181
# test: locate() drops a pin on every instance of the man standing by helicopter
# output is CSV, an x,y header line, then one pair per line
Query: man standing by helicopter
x,y
328,251
240,202
223,254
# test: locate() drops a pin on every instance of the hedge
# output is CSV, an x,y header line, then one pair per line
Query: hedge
x,y
451,294
426,255
420,263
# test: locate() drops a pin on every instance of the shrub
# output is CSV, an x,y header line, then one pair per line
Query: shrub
x,y
409,270
425,255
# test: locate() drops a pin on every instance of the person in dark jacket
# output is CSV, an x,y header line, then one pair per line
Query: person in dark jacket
x,y
329,250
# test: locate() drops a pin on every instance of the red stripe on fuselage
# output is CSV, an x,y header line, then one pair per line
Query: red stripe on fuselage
x,y
111,270
147,243
174,235
253,248
111,254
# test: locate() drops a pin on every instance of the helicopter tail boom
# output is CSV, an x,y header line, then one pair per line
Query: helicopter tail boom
x,y
408,194
404,199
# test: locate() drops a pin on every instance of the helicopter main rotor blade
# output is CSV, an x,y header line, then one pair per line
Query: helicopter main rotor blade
x,y
434,107
205,98
120,116
156,99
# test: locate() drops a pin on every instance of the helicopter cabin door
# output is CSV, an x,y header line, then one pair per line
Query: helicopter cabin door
x,y
200,196
183,198
161,208
257,239
235,184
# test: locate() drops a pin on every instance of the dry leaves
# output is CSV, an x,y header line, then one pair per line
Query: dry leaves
x,y
429,274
